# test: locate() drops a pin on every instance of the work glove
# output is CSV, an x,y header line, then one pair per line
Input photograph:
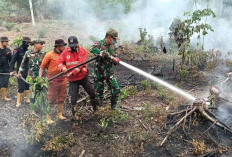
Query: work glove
x,y
69,74
104,54
12,73
64,70
115,60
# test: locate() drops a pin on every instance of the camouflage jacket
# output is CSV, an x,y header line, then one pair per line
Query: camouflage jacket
x,y
101,46
32,61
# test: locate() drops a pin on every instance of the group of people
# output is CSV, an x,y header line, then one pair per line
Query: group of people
x,y
35,62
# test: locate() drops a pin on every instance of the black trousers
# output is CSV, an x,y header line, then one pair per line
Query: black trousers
x,y
4,81
22,86
74,89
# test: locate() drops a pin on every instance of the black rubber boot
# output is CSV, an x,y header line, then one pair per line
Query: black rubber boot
x,y
75,116
114,101
99,102
94,103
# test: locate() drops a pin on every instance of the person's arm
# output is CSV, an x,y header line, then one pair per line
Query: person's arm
x,y
62,63
13,60
21,68
45,62
95,48
9,55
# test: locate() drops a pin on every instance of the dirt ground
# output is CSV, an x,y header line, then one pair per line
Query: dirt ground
x,y
139,134
136,129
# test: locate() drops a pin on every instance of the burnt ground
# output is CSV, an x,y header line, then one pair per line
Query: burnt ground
x,y
136,130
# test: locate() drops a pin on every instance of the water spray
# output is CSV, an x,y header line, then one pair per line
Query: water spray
x,y
157,80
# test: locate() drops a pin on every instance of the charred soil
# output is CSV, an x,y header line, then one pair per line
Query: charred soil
x,y
136,129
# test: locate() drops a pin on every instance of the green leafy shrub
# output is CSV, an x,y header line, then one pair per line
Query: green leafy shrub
x,y
59,143
184,73
148,111
39,99
131,90
17,42
41,32
8,26
123,94
146,85
12,81
164,94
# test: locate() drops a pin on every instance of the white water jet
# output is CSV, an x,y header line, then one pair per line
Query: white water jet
x,y
156,79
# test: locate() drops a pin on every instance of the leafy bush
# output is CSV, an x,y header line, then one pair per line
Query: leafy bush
x,y
12,81
59,143
8,26
17,42
182,31
39,99
146,85
18,29
41,32
128,91
123,94
148,111
164,94
131,90
183,73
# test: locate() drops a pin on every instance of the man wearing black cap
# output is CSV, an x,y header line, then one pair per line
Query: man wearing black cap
x,y
70,57
18,54
57,87
5,57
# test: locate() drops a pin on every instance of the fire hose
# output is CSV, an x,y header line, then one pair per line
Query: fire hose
x,y
90,60
62,73
17,76
58,75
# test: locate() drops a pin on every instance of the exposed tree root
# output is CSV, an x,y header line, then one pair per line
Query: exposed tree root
x,y
198,106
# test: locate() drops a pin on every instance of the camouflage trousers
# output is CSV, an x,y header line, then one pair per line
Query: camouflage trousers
x,y
99,81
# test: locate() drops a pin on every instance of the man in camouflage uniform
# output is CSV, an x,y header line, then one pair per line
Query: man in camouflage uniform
x,y
103,68
32,59
18,54
5,57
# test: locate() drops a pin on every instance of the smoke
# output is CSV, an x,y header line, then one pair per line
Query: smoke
x,y
154,15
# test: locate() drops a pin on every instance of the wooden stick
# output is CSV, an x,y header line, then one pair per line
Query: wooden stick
x,y
176,125
82,153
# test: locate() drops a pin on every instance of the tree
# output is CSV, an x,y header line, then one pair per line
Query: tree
x,y
182,31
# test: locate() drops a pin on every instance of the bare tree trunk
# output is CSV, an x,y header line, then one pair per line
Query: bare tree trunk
x,y
221,13
32,13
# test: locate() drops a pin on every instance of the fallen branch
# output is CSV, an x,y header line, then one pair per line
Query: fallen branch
x,y
199,106
82,153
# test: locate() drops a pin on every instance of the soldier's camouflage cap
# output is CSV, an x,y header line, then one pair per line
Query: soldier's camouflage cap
x,y
112,33
37,41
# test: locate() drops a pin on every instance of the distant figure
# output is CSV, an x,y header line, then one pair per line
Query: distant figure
x,y
164,50
5,57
